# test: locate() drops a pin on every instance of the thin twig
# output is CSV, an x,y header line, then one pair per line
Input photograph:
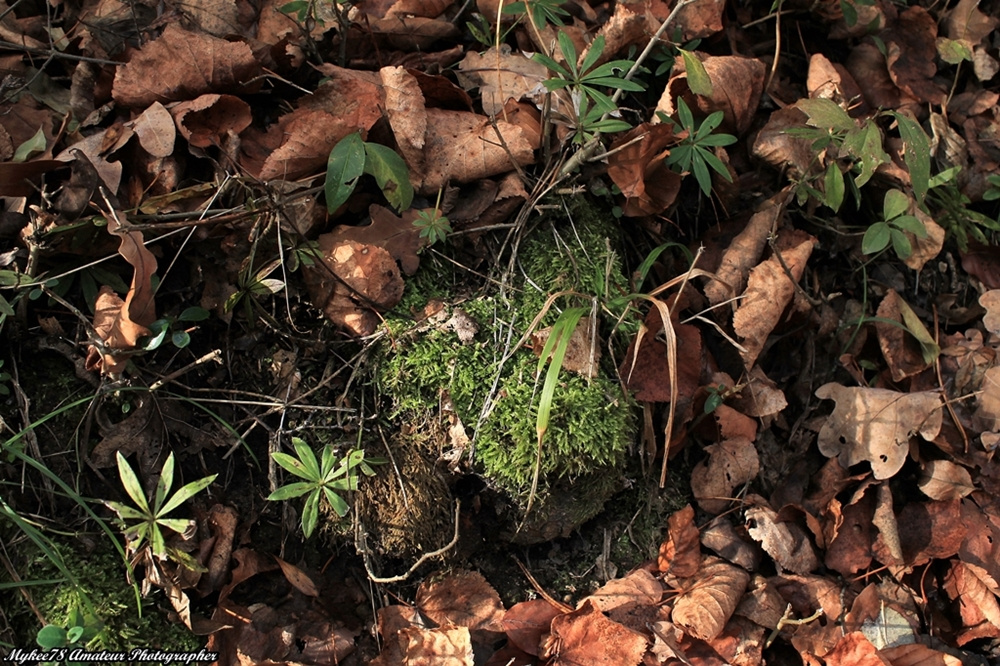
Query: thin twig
x,y
416,565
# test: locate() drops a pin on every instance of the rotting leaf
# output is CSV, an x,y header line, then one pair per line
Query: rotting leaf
x,y
875,425
708,600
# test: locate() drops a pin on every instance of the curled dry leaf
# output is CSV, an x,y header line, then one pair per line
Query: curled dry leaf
x,y
944,480
709,599
502,75
648,185
730,464
416,33
464,147
965,21
207,120
395,234
198,64
737,84
585,636
769,290
463,599
364,279
991,301
760,397
638,589
404,105
976,592
306,138
875,425
786,542
680,553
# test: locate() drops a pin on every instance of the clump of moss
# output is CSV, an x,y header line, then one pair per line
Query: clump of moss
x,y
104,599
592,422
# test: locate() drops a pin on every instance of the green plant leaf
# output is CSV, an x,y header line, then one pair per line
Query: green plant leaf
x,y
876,238
390,173
30,148
185,493
593,54
180,339
131,483
697,77
74,634
156,541
307,456
826,114
343,168
297,489
916,154
337,503
164,483
911,224
700,170
179,525
51,636
833,186
865,145
894,204
310,514
124,511
553,352
900,243
685,116
716,164
194,313
929,349
954,51
327,461
568,51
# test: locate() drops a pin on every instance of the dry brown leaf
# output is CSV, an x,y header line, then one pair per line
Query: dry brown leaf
x,y
156,131
875,425
585,637
648,185
141,430
769,291
776,146
680,552
307,136
991,301
366,279
944,480
927,248
351,95
911,55
849,534
709,599
427,8
404,105
216,17
854,649
730,464
918,654
899,348
828,80
625,28
966,22
299,579
975,591
17,179
647,373
762,603
198,64
464,147
786,542
721,536
760,397
209,119
638,588
395,234
119,323
502,75
737,84
528,622
583,353
223,521
987,414
437,647
927,531
463,599
414,33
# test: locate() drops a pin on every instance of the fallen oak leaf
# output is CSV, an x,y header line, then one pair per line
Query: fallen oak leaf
x,y
586,637
875,425
708,600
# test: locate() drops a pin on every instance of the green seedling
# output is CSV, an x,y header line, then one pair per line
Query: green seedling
x,y
432,224
893,227
322,479
149,519
541,12
179,338
694,154
353,157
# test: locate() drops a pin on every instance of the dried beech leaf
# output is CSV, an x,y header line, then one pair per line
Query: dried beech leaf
x,y
501,76
528,622
404,105
918,654
786,542
640,172
209,119
583,354
452,646
709,599
680,553
944,480
854,649
991,301
156,131
463,599
899,348
299,579
730,464
875,425
197,64
586,638
769,291
638,588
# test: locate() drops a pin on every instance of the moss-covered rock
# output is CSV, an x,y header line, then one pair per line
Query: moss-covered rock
x,y
490,392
